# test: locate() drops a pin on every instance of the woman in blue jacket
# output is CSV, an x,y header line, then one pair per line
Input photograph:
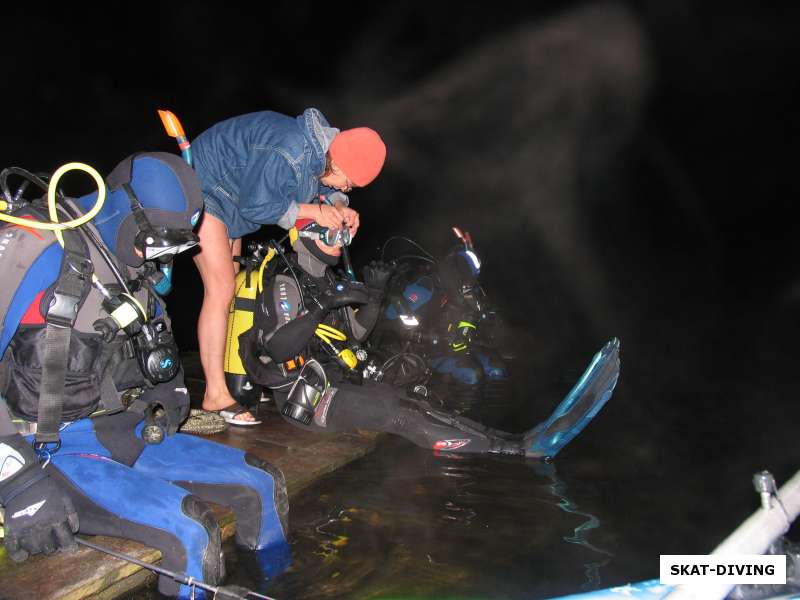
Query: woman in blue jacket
x,y
267,168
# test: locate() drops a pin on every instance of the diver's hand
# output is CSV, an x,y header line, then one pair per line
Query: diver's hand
x,y
351,219
344,293
41,518
377,274
323,214
341,201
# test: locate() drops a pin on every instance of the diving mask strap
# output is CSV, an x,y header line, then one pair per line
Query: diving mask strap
x,y
142,223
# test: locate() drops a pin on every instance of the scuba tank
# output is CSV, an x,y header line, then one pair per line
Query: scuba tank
x,y
248,284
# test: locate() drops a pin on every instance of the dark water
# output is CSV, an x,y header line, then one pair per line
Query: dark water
x,y
651,475
404,523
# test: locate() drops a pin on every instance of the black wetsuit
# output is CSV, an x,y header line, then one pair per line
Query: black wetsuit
x,y
283,332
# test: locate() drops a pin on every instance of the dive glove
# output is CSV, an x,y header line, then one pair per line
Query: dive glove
x,y
39,517
377,274
344,293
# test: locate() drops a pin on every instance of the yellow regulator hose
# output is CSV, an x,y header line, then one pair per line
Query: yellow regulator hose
x,y
55,225
51,203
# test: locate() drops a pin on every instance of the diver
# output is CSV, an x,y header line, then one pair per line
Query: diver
x,y
93,390
439,310
292,348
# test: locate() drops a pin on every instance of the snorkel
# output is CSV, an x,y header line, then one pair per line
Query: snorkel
x,y
174,129
346,262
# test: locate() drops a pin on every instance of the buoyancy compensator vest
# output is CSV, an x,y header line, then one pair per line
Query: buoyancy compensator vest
x,y
97,365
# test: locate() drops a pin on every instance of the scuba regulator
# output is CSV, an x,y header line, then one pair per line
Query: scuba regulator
x,y
151,343
346,358
156,352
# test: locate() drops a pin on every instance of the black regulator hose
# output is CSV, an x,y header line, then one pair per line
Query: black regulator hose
x,y
25,174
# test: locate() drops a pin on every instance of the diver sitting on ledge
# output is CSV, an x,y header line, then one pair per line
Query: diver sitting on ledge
x,y
291,351
81,328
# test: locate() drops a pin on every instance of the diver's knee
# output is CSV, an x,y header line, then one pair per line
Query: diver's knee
x,y
220,294
463,370
280,495
212,562
467,374
195,550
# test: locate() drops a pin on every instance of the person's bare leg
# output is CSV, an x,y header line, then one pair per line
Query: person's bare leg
x,y
217,270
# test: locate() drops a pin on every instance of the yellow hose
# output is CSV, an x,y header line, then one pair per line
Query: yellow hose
x,y
261,268
58,227
51,203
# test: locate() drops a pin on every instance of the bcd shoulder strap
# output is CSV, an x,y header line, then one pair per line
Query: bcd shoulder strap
x,y
69,293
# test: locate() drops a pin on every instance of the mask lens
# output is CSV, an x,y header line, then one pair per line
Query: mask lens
x,y
337,237
153,252
331,237
165,242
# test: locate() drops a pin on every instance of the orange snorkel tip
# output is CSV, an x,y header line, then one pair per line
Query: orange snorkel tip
x,y
171,123
174,129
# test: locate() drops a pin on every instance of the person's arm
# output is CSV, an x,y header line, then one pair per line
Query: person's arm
x,y
285,341
363,320
342,202
269,195
277,329
325,215
268,192
290,339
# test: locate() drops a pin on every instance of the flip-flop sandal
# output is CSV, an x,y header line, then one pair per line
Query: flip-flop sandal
x,y
232,414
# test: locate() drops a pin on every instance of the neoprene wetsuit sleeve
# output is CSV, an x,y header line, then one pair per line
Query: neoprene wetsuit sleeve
x,y
363,320
290,339
284,340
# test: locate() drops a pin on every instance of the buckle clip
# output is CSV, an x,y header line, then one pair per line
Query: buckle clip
x,y
43,449
63,309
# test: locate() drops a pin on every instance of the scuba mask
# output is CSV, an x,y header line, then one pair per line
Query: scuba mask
x,y
327,235
153,203
157,243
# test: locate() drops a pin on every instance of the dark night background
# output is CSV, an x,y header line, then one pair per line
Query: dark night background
x,y
626,169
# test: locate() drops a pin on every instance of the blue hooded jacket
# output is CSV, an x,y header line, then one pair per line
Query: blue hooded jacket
x,y
255,169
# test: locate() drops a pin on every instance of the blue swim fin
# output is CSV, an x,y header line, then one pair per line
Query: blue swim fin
x,y
579,407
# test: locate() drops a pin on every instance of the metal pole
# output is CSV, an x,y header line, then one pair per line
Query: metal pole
x,y
179,577
754,536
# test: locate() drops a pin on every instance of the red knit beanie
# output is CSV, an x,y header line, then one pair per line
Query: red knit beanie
x,y
359,153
